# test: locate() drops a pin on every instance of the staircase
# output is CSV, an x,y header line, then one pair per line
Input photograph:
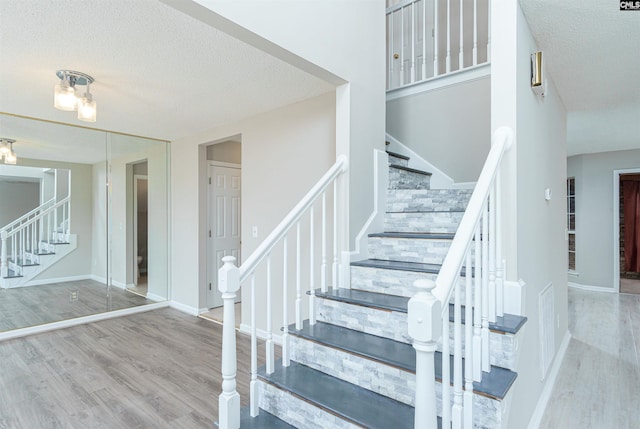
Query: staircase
x,y
356,366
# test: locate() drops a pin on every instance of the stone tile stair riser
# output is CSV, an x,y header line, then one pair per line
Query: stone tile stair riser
x,y
296,411
423,222
393,325
378,377
403,179
395,160
421,250
401,200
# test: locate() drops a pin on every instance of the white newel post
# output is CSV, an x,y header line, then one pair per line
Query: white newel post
x,y
4,268
229,401
425,328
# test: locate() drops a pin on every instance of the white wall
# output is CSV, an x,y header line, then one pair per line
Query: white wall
x,y
449,127
284,153
540,156
594,214
17,199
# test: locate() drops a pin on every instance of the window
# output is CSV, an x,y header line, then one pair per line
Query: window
x,y
571,221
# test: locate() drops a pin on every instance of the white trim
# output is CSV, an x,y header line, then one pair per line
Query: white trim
x,y
224,164
260,333
616,224
592,288
459,77
552,374
513,297
22,332
57,280
184,308
375,223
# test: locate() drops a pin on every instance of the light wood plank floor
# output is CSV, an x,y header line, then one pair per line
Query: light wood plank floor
x,y
599,382
35,305
159,369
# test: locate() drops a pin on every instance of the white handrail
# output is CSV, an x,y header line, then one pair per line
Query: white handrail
x,y
502,140
39,216
26,215
293,216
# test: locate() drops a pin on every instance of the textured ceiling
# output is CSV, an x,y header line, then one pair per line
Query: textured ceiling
x,y
159,73
591,51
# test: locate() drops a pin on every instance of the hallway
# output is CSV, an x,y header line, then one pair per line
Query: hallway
x,y
599,381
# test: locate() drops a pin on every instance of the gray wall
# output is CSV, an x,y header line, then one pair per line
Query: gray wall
x,y
448,127
229,151
594,213
16,199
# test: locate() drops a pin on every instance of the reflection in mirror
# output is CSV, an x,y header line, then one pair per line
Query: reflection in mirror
x,y
60,222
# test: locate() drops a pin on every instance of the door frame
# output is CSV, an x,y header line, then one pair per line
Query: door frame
x,y
137,177
209,226
616,223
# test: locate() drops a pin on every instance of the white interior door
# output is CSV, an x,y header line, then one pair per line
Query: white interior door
x,y
224,224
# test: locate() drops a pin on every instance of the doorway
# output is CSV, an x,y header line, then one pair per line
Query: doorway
x,y
627,230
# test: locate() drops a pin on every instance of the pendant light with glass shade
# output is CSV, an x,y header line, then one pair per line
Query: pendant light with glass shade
x,y
65,97
6,151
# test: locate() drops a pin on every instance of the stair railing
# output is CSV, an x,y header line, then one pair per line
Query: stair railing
x,y
420,47
22,238
477,246
230,277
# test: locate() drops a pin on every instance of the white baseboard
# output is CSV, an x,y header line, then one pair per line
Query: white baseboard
x,y
57,280
592,288
545,396
99,279
261,334
184,308
22,332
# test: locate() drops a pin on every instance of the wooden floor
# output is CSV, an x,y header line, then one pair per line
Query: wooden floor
x,y
599,382
159,369
34,305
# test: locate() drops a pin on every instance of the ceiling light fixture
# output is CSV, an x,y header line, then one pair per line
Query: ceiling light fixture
x,y
6,151
65,97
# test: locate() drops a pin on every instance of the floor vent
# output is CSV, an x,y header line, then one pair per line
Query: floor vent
x,y
547,331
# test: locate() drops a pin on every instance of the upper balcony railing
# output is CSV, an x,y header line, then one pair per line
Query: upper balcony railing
x,y
427,39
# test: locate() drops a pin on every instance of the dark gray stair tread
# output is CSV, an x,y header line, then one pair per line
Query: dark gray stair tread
x,y
397,155
510,323
24,263
41,253
350,402
56,242
12,275
495,383
409,169
398,265
418,235
263,420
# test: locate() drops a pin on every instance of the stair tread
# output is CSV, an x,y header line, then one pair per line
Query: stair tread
x,y
409,169
56,242
263,420
419,235
24,263
12,275
397,155
509,323
495,383
339,397
398,265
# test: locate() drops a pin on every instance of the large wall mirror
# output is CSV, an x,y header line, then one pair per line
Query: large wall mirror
x,y
83,222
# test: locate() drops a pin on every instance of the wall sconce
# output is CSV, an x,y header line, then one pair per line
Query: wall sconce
x,y
65,97
537,73
6,151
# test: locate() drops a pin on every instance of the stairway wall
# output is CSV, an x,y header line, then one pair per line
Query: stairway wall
x,y
17,199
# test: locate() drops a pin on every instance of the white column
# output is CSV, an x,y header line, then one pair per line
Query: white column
x,y
229,400
424,317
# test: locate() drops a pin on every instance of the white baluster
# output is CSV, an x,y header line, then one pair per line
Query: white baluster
x,y
468,345
253,385
424,39
446,369
323,265
485,289
461,53
402,80
448,63
475,32
492,256
312,287
4,266
298,280
21,253
436,48
424,317
499,261
229,400
335,267
269,342
489,31
285,304
456,412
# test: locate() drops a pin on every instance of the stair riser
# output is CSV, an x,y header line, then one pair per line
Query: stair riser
x,y
296,411
386,380
423,222
429,251
393,325
406,200
403,179
398,161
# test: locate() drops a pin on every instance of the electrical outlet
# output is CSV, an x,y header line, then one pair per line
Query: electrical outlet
x,y
73,296
254,232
